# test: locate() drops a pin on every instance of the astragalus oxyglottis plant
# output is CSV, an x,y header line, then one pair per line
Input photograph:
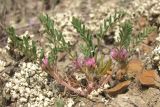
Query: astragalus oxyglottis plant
x,y
97,71
127,42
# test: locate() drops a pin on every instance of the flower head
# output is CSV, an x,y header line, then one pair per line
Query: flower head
x,y
90,62
45,61
81,62
119,54
114,53
123,54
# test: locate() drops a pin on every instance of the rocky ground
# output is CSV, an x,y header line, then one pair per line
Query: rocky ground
x,y
24,84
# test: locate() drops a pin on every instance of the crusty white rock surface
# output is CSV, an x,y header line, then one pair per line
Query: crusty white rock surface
x,y
156,56
29,87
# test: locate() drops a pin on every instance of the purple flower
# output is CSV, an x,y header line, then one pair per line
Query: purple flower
x,y
119,54
45,61
81,62
90,62
123,54
114,53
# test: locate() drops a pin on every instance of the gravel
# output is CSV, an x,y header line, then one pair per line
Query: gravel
x,y
25,86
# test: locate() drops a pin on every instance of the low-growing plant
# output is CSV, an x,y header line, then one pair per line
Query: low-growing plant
x,y
127,41
24,44
97,71
56,38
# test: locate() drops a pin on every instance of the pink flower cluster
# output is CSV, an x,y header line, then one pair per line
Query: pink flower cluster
x,y
44,62
88,62
79,62
119,54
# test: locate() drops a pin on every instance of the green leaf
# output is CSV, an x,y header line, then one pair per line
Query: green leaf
x,y
125,34
41,55
142,35
59,103
34,49
85,50
54,36
26,44
109,23
89,49
22,44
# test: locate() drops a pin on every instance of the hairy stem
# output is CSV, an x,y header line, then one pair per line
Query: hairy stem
x,y
60,80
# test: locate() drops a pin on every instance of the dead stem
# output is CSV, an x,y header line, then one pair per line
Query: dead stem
x,y
106,80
